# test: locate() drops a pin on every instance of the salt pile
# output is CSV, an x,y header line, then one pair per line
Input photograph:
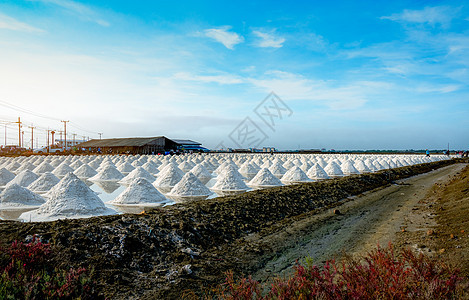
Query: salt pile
x,y
25,166
202,173
125,167
5,176
333,170
108,173
15,196
12,166
168,177
24,178
264,179
151,167
85,171
189,186
44,183
76,164
277,169
361,167
62,170
138,172
295,174
230,180
348,168
70,198
316,172
185,166
248,168
43,168
139,192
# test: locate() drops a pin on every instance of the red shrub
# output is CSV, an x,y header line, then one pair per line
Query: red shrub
x,y
379,275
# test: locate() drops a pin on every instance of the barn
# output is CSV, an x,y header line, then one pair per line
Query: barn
x,y
136,145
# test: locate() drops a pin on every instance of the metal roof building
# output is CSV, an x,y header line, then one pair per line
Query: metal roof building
x,y
139,145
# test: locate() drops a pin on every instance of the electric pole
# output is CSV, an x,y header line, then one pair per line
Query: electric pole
x,y
32,137
65,134
19,132
52,132
74,135
100,134
22,138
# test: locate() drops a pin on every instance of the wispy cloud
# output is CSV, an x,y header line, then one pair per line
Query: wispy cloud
x,y
81,10
329,93
225,36
220,79
10,23
429,15
268,39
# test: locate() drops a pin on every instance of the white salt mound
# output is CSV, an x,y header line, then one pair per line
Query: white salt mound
x,y
62,170
5,176
361,167
125,167
138,172
264,178
108,173
201,172
248,168
140,191
24,178
348,168
44,183
189,186
316,172
15,196
43,168
295,174
333,169
85,171
230,180
169,177
70,198
277,169
151,167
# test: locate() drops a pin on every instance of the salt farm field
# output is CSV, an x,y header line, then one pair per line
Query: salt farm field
x,y
43,188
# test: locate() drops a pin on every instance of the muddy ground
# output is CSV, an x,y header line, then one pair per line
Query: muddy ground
x,y
169,251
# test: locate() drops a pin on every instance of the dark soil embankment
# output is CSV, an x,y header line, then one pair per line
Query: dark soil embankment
x,y
149,254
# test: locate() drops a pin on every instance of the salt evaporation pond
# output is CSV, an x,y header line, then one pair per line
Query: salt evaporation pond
x,y
212,175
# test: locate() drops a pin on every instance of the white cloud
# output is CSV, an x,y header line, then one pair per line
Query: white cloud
x,y
79,9
442,89
224,36
221,79
268,40
335,96
10,23
432,15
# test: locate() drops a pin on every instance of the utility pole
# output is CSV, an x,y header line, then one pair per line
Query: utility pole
x,y
100,134
22,138
32,137
65,134
74,135
52,132
19,132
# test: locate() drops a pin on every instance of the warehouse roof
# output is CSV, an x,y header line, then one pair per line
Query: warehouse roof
x,y
132,142
185,142
120,142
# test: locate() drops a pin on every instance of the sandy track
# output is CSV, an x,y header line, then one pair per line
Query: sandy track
x,y
364,222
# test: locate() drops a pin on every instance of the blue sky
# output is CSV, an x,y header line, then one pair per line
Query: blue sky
x,y
355,75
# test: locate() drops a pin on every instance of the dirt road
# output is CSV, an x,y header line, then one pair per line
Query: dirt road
x,y
373,218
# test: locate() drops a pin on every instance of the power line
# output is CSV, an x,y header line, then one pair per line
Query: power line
x,y
17,108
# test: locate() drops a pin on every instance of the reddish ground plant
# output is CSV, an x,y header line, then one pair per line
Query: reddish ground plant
x,y
379,275
27,272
